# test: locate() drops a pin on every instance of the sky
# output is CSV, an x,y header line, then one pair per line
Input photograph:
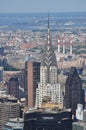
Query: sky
x,y
13,6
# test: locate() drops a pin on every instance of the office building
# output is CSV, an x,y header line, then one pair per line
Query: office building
x,y
13,87
46,119
80,124
21,78
2,51
74,93
7,98
48,85
80,113
1,74
83,77
14,124
32,77
8,110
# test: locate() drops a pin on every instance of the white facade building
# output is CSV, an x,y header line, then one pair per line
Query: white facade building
x,y
53,91
80,113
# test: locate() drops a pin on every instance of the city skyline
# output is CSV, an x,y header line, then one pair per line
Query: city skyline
x,y
9,6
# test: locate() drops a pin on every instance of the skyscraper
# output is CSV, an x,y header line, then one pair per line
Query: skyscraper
x,y
73,91
42,119
13,86
1,74
32,77
14,124
48,86
9,108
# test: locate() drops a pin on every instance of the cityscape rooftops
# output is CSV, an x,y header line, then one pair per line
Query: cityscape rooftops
x,y
18,120
14,79
15,123
48,110
6,98
79,123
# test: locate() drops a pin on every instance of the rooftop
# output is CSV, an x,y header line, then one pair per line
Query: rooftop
x,y
48,110
15,123
79,123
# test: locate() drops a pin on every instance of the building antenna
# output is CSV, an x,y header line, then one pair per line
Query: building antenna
x,y
48,24
48,38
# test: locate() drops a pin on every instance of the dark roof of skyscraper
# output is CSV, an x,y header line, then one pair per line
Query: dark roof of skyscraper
x,y
14,79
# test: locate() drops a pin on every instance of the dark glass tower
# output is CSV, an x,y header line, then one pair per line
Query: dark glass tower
x,y
47,120
13,86
73,91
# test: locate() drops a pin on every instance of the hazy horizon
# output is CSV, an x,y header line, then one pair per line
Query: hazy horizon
x,y
42,6
42,12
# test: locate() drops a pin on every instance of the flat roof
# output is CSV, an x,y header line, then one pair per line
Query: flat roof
x,y
47,110
15,123
80,123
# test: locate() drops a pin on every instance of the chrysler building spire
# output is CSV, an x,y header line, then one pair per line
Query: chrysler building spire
x,y
48,37
49,58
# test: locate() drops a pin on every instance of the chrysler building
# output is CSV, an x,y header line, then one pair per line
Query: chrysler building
x,y
48,86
